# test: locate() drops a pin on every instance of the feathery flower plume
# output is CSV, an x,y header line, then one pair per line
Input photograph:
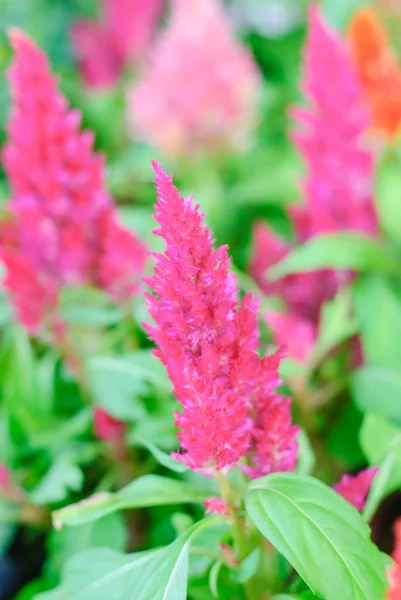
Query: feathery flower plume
x,y
355,489
208,343
123,33
201,86
5,479
378,70
339,181
64,229
394,592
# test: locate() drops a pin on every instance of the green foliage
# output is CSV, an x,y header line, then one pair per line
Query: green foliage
x,y
150,490
297,513
337,251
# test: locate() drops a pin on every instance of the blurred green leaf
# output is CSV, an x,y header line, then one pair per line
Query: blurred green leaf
x,y
378,310
377,389
337,251
336,323
149,490
338,12
381,443
386,481
162,458
247,568
63,476
306,458
376,437
110,532
388,194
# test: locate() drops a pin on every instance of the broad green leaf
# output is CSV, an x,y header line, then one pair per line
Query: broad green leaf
x,y
338,12
380,337
386,481
337,251
377,389
320,534
388,194
119,383
64,475
247,568
376,437
109,532
162,458
306,458
336,323
150,490
103,574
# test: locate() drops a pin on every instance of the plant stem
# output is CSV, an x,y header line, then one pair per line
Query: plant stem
x,y
238,532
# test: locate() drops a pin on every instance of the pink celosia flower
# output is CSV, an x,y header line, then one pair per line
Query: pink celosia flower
x,y
98,62
201,87
106,427
355,489
339,184
5,479
216,506
64,230
34,298
208,343
297,334
123,33
394,592
338,188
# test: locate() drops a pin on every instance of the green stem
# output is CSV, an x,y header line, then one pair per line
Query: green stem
x,y
238,532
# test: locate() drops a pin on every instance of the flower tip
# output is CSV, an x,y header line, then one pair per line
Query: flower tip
x,y
18,38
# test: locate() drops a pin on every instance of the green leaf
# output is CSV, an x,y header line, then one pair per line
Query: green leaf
x,y
103,574
110,532
388,193
376,437
118,384
303,596
320,534
162,458
380,336
377,389
150,490
337,251
247,568
116,387
386,481
338,12
306,458
336,323
64,475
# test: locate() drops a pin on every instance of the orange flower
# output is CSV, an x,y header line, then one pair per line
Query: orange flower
x,y
378,69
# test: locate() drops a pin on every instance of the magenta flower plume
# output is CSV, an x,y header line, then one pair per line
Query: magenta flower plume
x,y
64,224
123,34
196,95
355,489
339,184
330,138
207,341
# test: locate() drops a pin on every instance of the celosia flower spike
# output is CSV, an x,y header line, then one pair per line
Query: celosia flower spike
x,y
208,343
378,70
338,190
122,34
339,184
64,228
196,95
355,489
